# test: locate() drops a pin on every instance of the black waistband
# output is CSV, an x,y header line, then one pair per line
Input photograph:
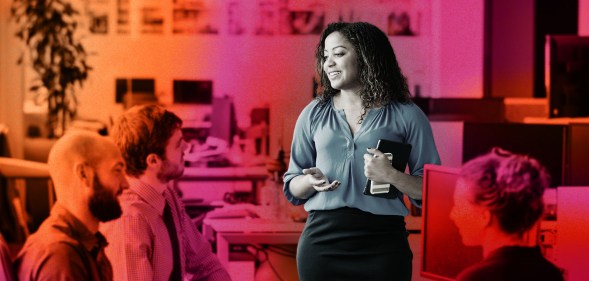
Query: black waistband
x,y
356,211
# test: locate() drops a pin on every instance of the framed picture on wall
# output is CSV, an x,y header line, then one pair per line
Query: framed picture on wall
x,y
195,17
123,17
97,16
394,17
149,12
236,20
152,17
307,21
266,17
402,23
403,18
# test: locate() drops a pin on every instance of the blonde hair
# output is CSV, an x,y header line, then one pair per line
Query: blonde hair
x,y
510,185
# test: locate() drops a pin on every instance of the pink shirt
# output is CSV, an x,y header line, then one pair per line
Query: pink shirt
x,y
139,244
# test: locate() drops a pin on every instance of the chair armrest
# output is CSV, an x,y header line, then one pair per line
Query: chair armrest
x,y
18,168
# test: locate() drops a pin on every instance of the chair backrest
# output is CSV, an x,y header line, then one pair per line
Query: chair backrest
x,y
6,269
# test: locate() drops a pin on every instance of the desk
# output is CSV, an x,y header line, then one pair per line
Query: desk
x,y
255,175
560,121
249,231
264,230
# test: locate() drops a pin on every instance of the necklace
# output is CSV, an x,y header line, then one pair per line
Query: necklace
x,y
361,119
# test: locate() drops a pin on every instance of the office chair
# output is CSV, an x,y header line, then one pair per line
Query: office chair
x,y
11,168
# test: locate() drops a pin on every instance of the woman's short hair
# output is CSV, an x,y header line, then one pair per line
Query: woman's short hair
x,y
510,185
379,70
143,130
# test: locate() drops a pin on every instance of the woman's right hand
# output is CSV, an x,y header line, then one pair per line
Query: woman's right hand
x,y
318,180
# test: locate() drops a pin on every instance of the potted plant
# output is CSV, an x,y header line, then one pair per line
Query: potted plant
x,y
48,29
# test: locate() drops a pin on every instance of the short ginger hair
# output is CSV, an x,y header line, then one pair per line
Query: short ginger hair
x,y
143,130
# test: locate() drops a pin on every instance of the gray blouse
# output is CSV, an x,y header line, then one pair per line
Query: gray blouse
x,y
323,139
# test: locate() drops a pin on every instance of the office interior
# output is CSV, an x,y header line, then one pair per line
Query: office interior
x,y
239,72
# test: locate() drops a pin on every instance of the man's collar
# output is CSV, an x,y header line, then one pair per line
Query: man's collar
x,y
151,194
76,229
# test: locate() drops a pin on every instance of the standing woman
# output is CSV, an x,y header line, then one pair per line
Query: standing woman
x,y
362,97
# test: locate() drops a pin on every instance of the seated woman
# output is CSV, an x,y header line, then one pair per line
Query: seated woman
x,y
497,201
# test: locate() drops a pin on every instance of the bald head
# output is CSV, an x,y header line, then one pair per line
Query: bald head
x,y
74,150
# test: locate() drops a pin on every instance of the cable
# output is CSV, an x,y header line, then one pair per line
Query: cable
x,y
282,251
259,250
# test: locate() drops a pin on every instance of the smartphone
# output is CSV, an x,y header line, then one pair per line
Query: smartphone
x,y
379,188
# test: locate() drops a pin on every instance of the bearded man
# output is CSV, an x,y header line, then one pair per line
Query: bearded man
x,y
88,174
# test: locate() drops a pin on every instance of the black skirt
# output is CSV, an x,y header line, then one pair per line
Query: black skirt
x,y
350,244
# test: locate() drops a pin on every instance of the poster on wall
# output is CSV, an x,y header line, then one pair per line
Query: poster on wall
x,y
139,16
196,17
394,17
123,17
403,18
259,17
373,11
97,15
286,17
305,17
151,17
236,12
267,17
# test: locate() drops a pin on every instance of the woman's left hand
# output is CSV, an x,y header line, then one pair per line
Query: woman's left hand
x,y
376,166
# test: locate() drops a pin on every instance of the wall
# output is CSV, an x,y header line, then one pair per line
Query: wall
x,y
584,17
256,71
457,48
512,50
445,60
11,98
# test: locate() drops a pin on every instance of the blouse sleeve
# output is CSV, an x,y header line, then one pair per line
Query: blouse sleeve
x,y
420,136
302,154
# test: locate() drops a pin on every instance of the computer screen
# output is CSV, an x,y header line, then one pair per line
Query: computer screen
x,y
566,72
193,91
443,254
143,89
223,119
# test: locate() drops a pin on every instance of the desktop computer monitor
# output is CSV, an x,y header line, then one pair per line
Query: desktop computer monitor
x,y
193,91
566,71
443,254
223,119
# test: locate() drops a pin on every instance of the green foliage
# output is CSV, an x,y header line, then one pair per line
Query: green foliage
x,y
48,28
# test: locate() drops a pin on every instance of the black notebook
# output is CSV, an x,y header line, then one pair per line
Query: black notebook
x,y
400,155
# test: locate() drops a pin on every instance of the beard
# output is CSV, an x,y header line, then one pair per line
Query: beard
x,y
103,204
170,171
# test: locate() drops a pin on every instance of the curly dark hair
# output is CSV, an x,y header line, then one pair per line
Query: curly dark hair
x,y
510,186
382,79
143,130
